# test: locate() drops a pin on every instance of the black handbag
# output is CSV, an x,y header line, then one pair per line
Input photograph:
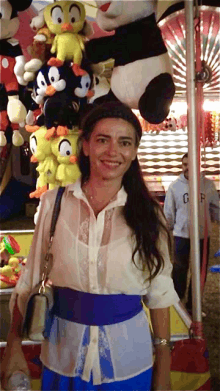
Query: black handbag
x,y
41,300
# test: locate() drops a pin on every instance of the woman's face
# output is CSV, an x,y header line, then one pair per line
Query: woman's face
x,y
111,148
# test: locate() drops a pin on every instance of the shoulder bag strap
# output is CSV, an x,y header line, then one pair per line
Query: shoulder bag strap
x,y
56,211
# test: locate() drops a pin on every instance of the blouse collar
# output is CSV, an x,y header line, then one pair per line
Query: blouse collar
x,y
76,189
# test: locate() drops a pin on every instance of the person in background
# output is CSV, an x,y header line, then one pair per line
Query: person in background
x,y
176,209
110,253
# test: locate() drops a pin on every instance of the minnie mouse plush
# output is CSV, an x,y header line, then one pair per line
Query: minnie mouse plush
x,y
142,75
12,63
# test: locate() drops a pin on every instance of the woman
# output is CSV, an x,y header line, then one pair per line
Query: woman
x,y
111,243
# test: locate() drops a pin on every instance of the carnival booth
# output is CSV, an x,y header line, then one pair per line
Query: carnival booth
x,y
57,80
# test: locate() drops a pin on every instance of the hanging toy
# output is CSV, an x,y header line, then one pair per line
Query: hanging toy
x,y
64,148
101,87
61,95
170,124
83,89
142,75
40,48
12,110
66,19
47,163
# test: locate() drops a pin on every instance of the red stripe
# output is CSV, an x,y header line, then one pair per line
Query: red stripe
x,y
206,386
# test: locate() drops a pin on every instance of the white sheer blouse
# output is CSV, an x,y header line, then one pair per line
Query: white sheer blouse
x,y
94,254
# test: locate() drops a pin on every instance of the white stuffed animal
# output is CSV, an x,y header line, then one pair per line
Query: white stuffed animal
x,y
142,75
12,61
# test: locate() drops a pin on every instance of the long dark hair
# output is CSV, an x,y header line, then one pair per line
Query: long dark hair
x,y
142,211
145,217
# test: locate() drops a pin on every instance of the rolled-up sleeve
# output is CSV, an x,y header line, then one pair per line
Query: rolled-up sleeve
x,y
161,292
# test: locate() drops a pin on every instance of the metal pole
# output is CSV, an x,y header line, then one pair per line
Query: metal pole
x,y
193,161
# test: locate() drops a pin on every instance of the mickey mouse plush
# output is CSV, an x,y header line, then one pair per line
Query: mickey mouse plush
x,y
12,69
142,76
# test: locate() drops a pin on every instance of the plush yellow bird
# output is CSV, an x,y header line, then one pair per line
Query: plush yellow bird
x,y
64,148
7,277
47,162
66,19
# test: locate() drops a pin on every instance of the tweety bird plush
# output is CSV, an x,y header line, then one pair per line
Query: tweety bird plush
x,y
47,163
64,148
66,19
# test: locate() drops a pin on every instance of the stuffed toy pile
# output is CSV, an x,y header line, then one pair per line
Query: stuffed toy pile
x,y
12,61
63,83
10,267
60,79
56,158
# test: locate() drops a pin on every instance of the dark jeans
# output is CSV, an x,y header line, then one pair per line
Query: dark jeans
x,y
181,266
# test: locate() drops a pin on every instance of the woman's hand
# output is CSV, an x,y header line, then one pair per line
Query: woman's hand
x,y
161,371
13,360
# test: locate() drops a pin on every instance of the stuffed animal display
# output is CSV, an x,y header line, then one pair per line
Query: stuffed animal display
x,y
10,273
142,75
47,164
56,158
61,96
12,110
62,83
64,148
61,88
40,48
66,20
10,266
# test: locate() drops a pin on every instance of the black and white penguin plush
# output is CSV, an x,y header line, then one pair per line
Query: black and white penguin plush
x,y
142,74
62,95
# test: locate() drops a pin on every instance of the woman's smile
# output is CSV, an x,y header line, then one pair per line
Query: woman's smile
x,y
110,164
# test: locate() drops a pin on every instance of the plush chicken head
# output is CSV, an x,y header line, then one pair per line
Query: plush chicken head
x,y
65,16
39,146
64,148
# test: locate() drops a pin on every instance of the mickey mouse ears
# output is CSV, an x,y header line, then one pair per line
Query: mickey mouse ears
x,y
20,5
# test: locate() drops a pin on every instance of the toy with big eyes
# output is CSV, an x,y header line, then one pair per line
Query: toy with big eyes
x,y
66,19
170,124
47,163
52,90
12,110
62,95
64,148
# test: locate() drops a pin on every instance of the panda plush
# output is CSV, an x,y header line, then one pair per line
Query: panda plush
x,y
142,74
12,61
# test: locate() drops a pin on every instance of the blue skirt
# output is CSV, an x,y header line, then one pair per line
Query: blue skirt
x,y
52,381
